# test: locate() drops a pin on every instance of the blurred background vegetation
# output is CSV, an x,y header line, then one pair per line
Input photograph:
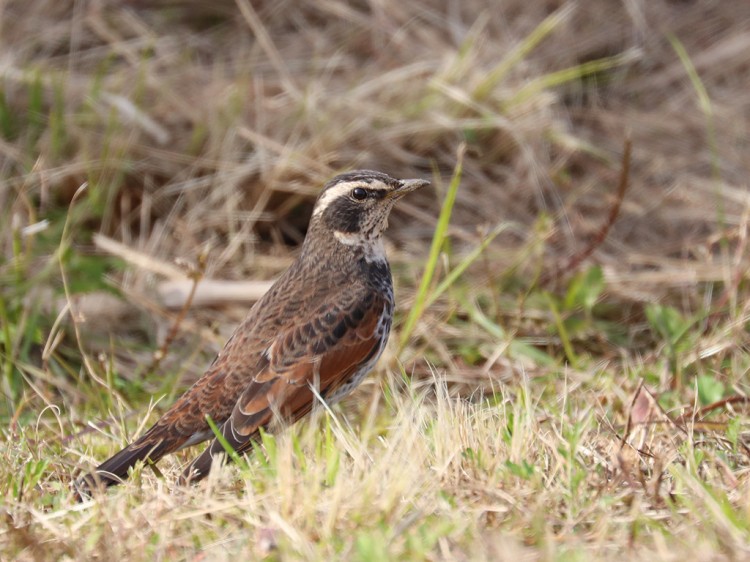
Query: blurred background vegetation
x,y
146,144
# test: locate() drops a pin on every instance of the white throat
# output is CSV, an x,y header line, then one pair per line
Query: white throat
x,y
373,247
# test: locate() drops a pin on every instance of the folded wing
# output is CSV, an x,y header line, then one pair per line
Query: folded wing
x,y
323,354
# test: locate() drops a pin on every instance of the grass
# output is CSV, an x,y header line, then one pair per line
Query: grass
x,y
438,241
530,404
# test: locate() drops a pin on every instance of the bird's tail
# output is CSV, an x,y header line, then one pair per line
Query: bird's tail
x,y
149,448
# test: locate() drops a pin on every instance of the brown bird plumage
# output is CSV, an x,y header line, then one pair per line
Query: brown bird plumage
x,y
320,328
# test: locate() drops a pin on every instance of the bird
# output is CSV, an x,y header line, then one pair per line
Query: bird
x,y
319,329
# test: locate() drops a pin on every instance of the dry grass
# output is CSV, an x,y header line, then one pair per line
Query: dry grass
x,y
513,423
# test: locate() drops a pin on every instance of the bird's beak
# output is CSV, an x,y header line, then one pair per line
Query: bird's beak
x,y
405,186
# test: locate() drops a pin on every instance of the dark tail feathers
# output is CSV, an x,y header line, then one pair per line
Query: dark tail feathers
x,y
114,470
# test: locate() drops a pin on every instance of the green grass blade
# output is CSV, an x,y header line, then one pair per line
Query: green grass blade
x,y
566,75
231,453
438,239
562,331
704,102
470,258
515,347
497,74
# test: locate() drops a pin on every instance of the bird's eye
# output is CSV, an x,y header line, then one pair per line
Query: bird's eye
x,y
359,193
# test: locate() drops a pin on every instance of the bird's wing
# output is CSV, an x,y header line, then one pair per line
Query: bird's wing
x,y
321,353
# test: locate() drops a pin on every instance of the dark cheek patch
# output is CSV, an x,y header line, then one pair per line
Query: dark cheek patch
x,y
343,216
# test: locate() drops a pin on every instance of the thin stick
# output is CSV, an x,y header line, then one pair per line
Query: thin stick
x,y
600,236
737,399
196,275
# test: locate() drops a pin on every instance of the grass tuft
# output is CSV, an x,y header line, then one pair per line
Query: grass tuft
x,y
570,362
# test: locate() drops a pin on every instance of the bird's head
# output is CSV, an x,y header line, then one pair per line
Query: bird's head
x,y
354,207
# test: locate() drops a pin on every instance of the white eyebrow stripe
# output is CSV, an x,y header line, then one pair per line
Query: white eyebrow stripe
x,y
334,193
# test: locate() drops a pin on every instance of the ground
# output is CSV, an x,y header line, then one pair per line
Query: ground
x,y
568,373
